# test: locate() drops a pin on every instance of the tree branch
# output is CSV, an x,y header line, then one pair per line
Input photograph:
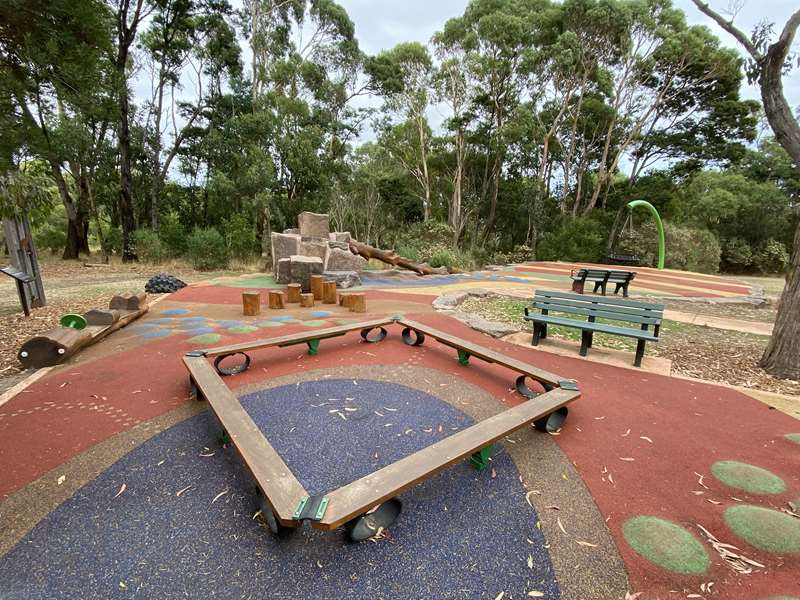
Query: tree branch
x,y
730,28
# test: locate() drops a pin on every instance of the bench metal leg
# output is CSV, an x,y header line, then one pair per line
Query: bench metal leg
x,y
543,335
637,362
537,334
597,285
586,342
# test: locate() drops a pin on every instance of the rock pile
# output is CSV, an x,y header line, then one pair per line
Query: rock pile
x,y
163,284
312,249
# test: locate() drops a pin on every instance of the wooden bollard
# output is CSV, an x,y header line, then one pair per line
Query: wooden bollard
x,y
251,303
317,286
293,291
307,300
277,299
344,299
329,292
357,302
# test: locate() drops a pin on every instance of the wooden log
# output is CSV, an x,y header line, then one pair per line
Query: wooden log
x,y
307,300
294,290
60,343
390,257
277,299
132,301
358,302
317,286
329,292
344,299
251,303
100,316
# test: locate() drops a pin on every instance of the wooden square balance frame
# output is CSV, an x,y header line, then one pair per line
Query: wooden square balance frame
x,y
285,504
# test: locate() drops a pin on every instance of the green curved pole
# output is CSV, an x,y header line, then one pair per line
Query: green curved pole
x,y
661,245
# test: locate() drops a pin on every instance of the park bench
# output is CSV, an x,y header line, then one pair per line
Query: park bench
x,y
601,278
285,504
642,314
624,259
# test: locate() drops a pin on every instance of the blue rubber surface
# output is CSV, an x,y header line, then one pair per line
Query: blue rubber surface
x,y
175,311
462,533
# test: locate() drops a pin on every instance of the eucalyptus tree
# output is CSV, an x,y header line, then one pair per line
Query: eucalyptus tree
x,y
55,71
769,61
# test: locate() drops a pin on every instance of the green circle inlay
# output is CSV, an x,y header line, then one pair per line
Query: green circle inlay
x,y
346,321
764,528
313,323
243,329
667,545
270,323
747,477
206,338
793,437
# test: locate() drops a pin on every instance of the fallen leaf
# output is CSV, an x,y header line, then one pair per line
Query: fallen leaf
x,y
629,596
561,526
218,496
589,544
645,438
627,433
500,596
530,561
627,458
61,479
121,489
712,501
494,473
536,594
179,492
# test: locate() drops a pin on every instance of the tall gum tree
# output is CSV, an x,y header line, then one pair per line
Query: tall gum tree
x,y
769,62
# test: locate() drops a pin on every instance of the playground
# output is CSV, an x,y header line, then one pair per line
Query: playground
x,y
117,483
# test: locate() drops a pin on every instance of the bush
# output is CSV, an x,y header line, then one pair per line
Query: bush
x,y
112,241
691,249
737,255
240,236
452,259
423,240
206,250
173,235
582,239
772,258
519,254
52,233
149,248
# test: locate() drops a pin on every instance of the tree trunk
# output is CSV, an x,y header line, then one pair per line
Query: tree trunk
x,y
77,237
782,356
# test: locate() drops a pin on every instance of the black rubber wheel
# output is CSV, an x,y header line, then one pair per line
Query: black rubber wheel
x,y
235,369
552,422
416,340
270,519
364,527
379,337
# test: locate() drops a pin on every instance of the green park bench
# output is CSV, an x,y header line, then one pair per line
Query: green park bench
x,y
626,311
601,278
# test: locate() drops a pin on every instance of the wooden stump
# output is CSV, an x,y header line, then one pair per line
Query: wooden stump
x,y
251,303
277,299
329,292
357,302
307,300
317,286
294,290
132,301
104,317
344,299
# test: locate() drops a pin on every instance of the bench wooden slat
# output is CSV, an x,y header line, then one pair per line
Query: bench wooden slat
x,y
484,353
598,302
296,338
281,488
594,312
361,495
624,302
597,327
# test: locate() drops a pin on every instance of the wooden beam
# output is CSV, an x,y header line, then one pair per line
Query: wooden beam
x,y
358,497
281,488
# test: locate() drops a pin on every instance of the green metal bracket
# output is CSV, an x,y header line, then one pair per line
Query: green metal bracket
x,y
313,347
480,460
223,436
311,508
463,357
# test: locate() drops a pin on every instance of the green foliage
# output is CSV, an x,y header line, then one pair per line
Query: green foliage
x,y
580,239
112,241
240,236
519,254
149,247
452,259
737,255
691,249
424,240
206,249
50,234
173,234
772,258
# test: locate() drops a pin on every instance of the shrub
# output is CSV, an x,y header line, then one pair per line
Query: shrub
x,y
52,233
206,250
579,239
112,241
240,236
452,259
423,240
737,255
173,235
149,248
772,258
691,249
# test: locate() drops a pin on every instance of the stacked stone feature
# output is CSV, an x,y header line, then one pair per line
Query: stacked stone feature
x,y
312,249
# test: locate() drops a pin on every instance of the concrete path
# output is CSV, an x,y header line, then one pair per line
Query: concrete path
x,y
741,325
